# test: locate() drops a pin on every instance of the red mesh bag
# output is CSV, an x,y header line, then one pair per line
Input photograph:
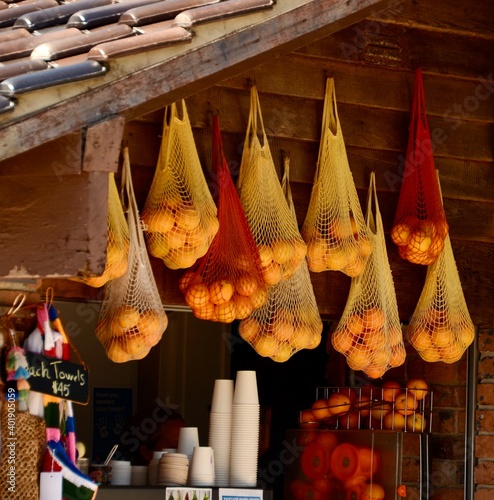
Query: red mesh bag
x,y
420,225
227,283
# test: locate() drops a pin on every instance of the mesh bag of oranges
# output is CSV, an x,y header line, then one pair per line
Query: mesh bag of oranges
x,y
334,227
117,249
281,248
227,283
132,318
420,226
441,328
179,213
289,321
369,333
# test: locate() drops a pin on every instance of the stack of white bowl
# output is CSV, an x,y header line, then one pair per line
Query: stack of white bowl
x,y
173,469
245,431
121,473
220,425
139,475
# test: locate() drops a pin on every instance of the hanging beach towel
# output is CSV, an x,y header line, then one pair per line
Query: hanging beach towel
x,y
334,227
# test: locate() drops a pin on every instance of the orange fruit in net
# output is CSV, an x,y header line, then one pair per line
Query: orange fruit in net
x,y
196,236
432,354
344,227
283,330
158,221
266,346
243,262
375,370
272,274
401,233
221,291
246,285
381,356
374,318
282,251
355,267
465,335
127,316
365,246
187,278
182,257
395,334
266,254
187,218
205,312
243,306
225,312
116,352
375,339
135,344
197,295
248,329
336,258
342,340
302,337
355,324
299,249
452,353
152,325
420,338
259,297
442,336
398,355
359,357
283,353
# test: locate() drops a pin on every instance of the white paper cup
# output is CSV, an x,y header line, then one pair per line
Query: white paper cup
x,y
202,466
246,388
222,396
188,439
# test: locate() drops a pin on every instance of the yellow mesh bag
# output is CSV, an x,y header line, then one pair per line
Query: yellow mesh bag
x,y
334,227
441,328
369,332
132,318
289,321
281,248
179,213
117,250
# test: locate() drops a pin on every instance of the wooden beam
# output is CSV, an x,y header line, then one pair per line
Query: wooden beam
x,y
216,51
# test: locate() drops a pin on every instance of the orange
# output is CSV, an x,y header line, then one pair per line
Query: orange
x,y
336,258
418,388
187,218
176,237
116,328
416,423
420,338
214,225
420,242
307,420
182,257
283,353
248,329
398,356
243,306
197,295
349,421
375,339
368,462
282,251
135,344
225,312
243,262
372,491
390,389
395,335
355,268
150,323
405,403
186,279
259,297
339,403
442,336
266,345
394,421
365,246
196,236
401,234
283,330
375,370
302,337
160,220
452,353
342,340
380,409
299,249
116,353
320,409
266,254
272,274
355,324
374,318
431,355
127,316
343,227
465,335
245,284
359,357
316,251
381,356
205,312
221,291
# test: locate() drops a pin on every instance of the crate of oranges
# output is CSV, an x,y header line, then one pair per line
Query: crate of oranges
x,y
392,406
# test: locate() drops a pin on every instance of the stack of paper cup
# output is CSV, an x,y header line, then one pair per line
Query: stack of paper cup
x,y
121,473
188,439
245,431
139,475
220,425
201,470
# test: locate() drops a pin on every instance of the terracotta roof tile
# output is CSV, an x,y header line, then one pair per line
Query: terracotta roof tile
x,y
45,43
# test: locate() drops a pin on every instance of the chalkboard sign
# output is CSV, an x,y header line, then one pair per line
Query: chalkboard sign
x,y
59,378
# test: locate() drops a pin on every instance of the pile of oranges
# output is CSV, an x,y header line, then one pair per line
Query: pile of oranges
x,y
284,335
368,343
436,339
129,334
280,259
419,241
177,233
340,247
223,300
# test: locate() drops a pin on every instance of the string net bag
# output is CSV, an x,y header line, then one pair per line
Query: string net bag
x,y
132,318
227,283
441,328
179,213
369,332
117,250
281,248
420,226
289,321
334,227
